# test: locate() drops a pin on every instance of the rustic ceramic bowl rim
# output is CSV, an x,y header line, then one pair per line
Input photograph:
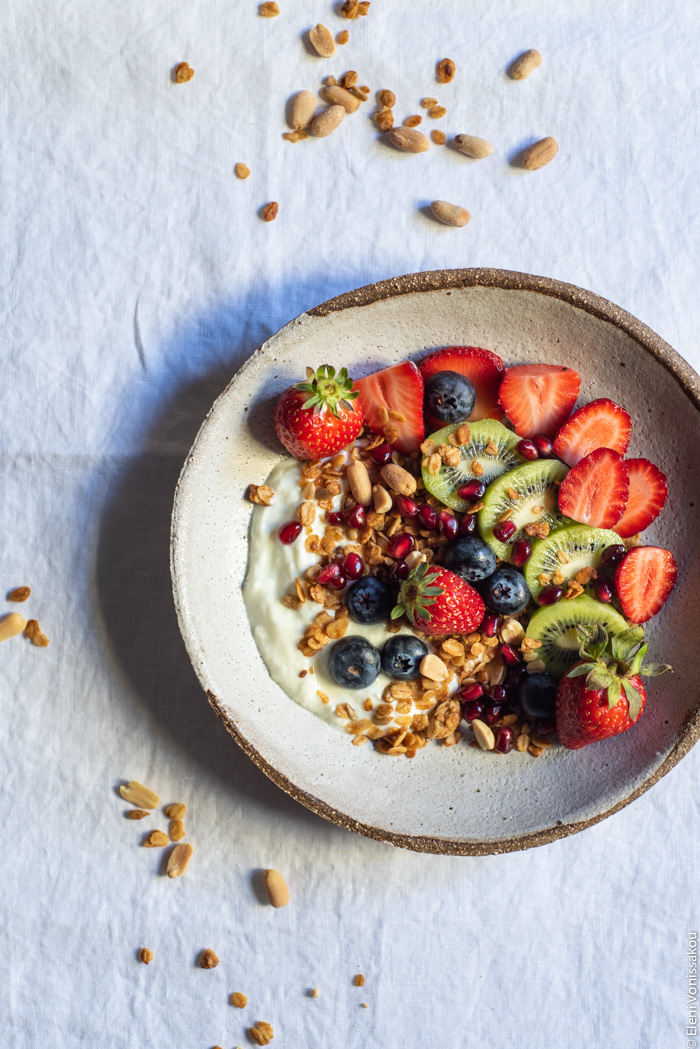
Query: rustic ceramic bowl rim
x,y
440,280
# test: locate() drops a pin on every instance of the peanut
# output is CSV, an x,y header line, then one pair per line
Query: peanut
x,y
484,736
398,479
360,484
540,153
409,140
327,121
433,668
336,95
382,500
277,891
450,214
525,64
472,146
11,625
301,110
322,41
139,795
178,860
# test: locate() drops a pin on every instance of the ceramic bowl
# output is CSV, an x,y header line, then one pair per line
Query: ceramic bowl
x,y
454,800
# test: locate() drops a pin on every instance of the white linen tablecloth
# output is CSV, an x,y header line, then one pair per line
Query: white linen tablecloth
x,y
136,275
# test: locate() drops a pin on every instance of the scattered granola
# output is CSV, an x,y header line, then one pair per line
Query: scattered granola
x,y
239,1000
20,593
208,959
262,1033
242,171
446,70
261,494
146,955
33,631
269,9
359,980
182,73
270,211
136,814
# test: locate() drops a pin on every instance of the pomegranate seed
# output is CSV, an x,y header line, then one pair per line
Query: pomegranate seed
x,y
474,690
353,566
336,518
289,532
490,624
546,728
510,656
492,713
428,516
338,582
543,444
528,449
499,694
399,571
520,553
468,524
505,738
472,490
472,710
382,454
357,517
603,589
504,531
551,594
400,546
330,572
406,507
448,525
612,555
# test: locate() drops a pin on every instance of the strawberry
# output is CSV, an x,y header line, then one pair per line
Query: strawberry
x,y
439,602
537,398
603,694
644,578
397,390
600,424
595,491
648,494
318,417
484,370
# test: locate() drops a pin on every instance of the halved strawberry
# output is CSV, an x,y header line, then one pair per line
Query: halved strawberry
x,y
595,491
537,398
393,399
600,424
484,370
644,578
648,494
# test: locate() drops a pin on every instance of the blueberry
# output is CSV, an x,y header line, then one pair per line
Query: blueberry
x,y
449,396
470,558
402,656
354,662
506,591
369,600
537,694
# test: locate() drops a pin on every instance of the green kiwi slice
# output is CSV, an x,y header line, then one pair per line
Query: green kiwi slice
x,y
500,458
536,489
555,626
583,546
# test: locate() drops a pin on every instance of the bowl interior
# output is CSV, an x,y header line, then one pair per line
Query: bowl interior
x,y
456,799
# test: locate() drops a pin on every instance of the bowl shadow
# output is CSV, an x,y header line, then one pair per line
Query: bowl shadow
x,y
132,571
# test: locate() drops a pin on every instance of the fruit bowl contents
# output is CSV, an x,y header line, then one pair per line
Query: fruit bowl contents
x,y
453,552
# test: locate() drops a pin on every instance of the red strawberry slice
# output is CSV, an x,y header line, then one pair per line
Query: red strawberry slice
x,y
644,578
595,491
393,397
648,494
537,398
484,370
600,424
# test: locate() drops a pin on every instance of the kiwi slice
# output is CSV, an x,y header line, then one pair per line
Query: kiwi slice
x,y
555,626
583,546
534,490
498,459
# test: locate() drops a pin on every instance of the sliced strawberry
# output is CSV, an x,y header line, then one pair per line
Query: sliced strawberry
x,y
484,370
644,579
647,498
595,491
537,398
393,398
600,424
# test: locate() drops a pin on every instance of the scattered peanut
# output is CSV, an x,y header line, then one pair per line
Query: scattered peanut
x,y
484,736
408,140
472,146
177,830
360,484
525,64
336,95
139,795
277,891
327,121
136,814
540,153
322,41
11,625
178,860
301,110
157,839
450,214
433,668
382,500
176,812
398,479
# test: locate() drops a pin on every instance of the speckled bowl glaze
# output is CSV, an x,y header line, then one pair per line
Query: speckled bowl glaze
x,y
455,800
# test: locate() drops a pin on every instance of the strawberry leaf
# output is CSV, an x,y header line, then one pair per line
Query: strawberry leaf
x,y
654,669
625,644
614,692
592,639
634,699
599,677
635,666
580,670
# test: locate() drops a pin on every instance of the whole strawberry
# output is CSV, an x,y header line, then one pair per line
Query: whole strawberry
x,y
439,602
603,694
320,416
